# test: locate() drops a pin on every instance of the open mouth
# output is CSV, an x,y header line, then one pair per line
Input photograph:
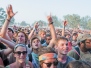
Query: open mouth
x,y
36,45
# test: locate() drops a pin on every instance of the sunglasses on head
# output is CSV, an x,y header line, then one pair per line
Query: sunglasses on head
x,y
49,64
19,52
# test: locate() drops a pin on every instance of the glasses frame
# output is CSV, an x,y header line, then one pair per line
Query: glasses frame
x,y
50,63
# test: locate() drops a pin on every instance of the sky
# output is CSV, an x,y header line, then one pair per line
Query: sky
x,y
35,10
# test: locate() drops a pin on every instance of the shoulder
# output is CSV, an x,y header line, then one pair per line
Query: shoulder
x,y
71,52
70,58
44,44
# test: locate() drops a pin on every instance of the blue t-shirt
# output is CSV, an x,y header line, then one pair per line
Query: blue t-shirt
x,y
35,60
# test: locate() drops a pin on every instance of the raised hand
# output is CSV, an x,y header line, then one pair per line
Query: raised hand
x,y
49,18
65,23
36,25
10,12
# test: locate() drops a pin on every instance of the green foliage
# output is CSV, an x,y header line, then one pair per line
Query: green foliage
x,y
3,17
73,20
41,23
56,21
23,23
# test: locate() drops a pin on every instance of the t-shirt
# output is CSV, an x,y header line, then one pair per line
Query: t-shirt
x,y
85,56
82,56
63,65
44,44
4,57
35,60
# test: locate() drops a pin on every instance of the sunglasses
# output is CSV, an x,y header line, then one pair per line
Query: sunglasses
x,y
49,64
19,52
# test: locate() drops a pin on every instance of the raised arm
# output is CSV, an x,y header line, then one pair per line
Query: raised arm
x,y
32,32
52,30
8,44
63,30
10,14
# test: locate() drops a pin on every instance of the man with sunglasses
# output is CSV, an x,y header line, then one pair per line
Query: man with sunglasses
x,y
47,57
83,51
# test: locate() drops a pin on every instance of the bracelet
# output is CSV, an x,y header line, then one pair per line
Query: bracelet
x,y
50,23
8,20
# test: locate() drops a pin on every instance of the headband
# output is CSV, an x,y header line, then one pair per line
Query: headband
x,y
47,56
20,44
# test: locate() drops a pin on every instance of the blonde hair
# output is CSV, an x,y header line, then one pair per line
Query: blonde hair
x,y
42,31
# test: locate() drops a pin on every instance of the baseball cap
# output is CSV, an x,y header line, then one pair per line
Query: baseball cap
x,y
11,30
82,37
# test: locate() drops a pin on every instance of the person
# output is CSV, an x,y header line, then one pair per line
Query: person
x,y
42,34
47,57
20,53
48,39
35,45
5,52
10,33
20,38
83,50
6,32
79,64
74,39
61,48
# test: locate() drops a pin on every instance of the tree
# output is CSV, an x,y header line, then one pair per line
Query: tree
x,y
89,24
56,21
23,23
2,15
41,23
73,20
84,22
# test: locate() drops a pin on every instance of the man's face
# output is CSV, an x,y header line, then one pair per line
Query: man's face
x,y
74,38
68,36
62,47
10,33
42,35
36,43
88,43
48,39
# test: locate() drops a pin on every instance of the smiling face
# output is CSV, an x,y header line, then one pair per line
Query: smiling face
x,y
21,38
62,47
20,54
36,43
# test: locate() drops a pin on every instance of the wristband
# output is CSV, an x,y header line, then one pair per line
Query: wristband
x,y
50,23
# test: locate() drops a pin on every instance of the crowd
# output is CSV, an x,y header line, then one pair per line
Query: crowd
x,y
42,47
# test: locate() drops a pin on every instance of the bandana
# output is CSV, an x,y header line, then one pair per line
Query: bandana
x,y
47,56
